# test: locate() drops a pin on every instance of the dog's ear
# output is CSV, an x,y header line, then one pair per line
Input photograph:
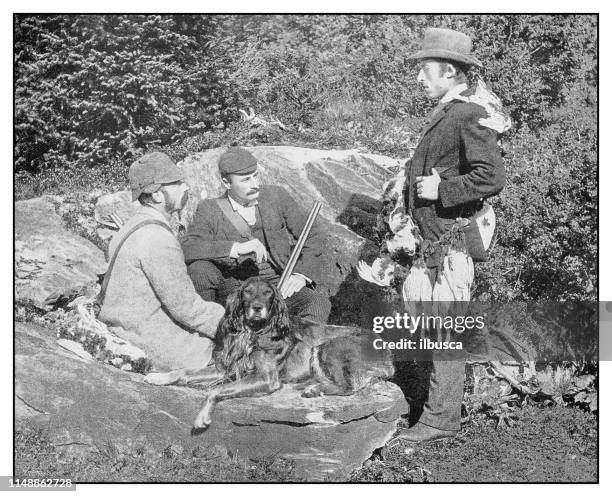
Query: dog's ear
x,y
233,342
280,313
233,305
232,319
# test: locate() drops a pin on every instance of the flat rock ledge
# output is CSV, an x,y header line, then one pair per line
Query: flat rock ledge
x,y
86,403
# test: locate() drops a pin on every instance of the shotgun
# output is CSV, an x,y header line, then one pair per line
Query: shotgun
x,y
288,271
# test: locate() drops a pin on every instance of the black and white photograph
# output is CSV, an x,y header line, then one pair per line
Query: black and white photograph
x,y
305,248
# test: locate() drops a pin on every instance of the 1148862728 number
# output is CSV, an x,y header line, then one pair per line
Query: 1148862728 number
x,y
39,482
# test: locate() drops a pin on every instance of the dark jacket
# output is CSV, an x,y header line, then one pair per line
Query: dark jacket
x,y
211,235
466,156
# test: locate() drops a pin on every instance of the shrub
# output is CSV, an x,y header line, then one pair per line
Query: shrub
x,y
90,89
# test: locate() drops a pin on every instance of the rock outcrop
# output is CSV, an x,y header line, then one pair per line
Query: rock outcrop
x,y
51,263
82,401
348,184
343,180
332,176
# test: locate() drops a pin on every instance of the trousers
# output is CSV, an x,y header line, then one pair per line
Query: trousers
x,y
214,285
442,409
442,371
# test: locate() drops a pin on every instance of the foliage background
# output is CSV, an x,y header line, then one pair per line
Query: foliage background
x,y
94,92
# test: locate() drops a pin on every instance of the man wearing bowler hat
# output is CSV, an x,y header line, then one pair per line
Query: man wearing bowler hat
x,y
456,164
150,300
249,231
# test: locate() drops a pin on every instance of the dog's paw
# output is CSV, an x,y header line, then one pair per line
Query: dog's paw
x,y
312,391
202,422
158,379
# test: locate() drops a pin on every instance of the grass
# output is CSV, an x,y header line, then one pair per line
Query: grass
x,y
71,179
546,444
37,457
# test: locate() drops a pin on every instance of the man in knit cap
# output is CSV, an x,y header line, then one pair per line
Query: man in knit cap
x,y
249,231
150,299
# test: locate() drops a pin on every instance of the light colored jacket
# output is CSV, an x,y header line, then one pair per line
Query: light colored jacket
x,y
151,301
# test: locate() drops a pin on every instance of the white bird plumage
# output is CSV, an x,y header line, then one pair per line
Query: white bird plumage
x,y
497,119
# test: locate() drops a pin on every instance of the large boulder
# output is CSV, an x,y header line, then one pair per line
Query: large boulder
x,y
348,184
118,204
51,263
84,403
340,179
333,177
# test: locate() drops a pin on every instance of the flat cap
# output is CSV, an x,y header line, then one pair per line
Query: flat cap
x,y
237,160
151,171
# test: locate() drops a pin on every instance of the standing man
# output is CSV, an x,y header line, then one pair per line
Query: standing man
x,y
150,300
457,163
250,231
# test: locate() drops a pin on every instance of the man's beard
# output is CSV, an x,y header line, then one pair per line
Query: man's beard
x,y
184,200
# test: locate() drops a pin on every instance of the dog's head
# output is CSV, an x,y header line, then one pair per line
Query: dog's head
x,y
256,308
254,311
257,297
256,303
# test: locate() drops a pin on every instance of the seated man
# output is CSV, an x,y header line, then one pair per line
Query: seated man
x,y
249,231
150,300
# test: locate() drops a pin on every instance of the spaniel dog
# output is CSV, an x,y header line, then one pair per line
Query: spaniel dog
x,y
259,348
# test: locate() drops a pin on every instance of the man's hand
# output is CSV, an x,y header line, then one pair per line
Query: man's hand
x,y
253,246
427,186
371,273
293,285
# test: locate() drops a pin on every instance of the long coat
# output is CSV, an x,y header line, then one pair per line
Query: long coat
x,y
211,235
151,301
466,156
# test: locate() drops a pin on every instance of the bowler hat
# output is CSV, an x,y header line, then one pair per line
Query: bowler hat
x,y
236,160
447,44
151,171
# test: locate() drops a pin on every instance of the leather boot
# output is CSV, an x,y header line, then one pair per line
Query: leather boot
x,y
423,433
